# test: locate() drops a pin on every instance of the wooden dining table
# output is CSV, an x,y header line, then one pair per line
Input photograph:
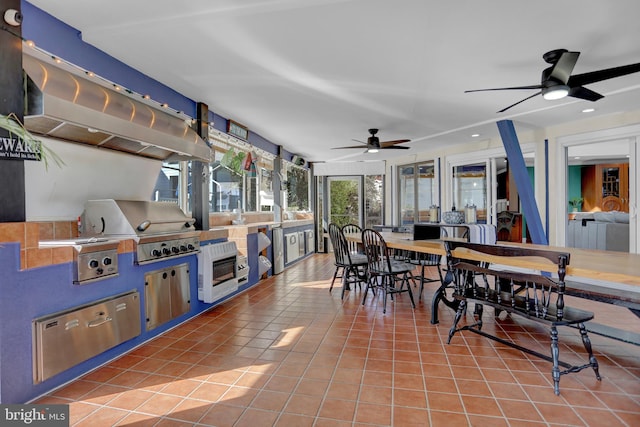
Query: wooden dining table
x,y
618,272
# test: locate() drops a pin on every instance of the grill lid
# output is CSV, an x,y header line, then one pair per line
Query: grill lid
x,y
133,218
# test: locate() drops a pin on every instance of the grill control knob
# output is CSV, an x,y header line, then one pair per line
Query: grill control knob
x,y
183,248
166,251
190,247
175,249
107,261
93,263
156,252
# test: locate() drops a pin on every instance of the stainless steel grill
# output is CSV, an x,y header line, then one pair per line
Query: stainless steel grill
x,y
160,230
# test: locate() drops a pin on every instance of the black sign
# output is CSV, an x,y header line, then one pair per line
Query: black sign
x,y
14,148
237,130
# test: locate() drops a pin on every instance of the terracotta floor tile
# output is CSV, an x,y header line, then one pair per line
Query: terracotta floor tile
x,y
410,398
369,413
270,400
221,415
338,409
412,417
312,387
102,417
444,402
294,420
190,410
209,392
304,405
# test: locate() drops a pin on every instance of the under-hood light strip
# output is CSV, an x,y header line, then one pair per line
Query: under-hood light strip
x,y
106,82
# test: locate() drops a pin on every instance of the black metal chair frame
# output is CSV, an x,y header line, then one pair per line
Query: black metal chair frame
x,y
351,268
383,272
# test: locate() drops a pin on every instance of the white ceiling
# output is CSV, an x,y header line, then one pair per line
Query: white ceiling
x,y
312,75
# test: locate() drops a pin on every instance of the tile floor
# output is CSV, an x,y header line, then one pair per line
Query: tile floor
x,y
289,353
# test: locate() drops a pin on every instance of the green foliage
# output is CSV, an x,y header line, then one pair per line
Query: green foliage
x,y
344,203
233,160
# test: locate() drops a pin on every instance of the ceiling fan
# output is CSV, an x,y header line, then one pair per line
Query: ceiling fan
x,y
557,81
374,144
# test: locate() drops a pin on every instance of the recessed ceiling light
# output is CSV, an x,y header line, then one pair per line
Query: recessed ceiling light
x,y
577,157
588,110
475,135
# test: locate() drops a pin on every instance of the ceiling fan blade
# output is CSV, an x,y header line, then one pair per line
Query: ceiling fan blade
x,y
394,147
352,146
507,88
562,69
584,93
394,142
600,75
513,105
361,142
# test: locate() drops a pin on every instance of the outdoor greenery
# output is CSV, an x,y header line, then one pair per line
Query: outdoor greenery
x,y
344,202
297,189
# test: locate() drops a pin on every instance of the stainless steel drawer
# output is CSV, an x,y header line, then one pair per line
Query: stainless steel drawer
x,y
65,339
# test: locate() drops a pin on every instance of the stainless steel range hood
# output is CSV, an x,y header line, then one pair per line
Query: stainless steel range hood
x,y
63,105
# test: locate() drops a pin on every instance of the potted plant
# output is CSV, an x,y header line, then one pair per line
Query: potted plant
x,y
576,204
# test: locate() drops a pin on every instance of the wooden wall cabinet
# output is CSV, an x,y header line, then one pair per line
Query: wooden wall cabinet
x,y
606,187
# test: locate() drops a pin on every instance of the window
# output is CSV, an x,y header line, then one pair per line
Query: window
x,y
297,188
226,186
417,192
470,188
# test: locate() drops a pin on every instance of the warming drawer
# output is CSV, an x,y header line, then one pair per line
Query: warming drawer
x,y
65,339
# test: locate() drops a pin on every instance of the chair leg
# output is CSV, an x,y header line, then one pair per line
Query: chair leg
x,y
406,279
385,284
555,355
587,346
461,309
335,274
479,310
369,284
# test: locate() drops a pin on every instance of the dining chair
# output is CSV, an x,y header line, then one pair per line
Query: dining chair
x,y
392,276
351,266
354,247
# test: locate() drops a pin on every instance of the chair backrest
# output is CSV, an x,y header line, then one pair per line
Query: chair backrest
x,y
532,292
339,243
376,250
354,247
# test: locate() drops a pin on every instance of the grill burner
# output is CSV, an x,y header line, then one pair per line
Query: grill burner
x,y
160,230
94,259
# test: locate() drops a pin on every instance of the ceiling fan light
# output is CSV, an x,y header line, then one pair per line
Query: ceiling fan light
x,y
555,92
372,150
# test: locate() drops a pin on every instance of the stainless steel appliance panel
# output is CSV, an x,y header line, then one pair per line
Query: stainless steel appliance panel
x,y
167,294
301,244
292,247
310,240
278,250
65,339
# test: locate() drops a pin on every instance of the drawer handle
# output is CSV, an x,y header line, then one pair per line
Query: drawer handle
x,y
99,322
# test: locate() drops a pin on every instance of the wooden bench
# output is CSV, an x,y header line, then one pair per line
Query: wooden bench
x,y
533,296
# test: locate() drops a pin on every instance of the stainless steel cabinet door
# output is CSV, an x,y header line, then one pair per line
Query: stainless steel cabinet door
x,y
167,294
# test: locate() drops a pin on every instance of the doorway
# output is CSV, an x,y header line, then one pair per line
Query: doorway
x,y
344,196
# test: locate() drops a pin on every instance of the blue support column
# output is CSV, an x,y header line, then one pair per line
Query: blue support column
x,y
525,190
